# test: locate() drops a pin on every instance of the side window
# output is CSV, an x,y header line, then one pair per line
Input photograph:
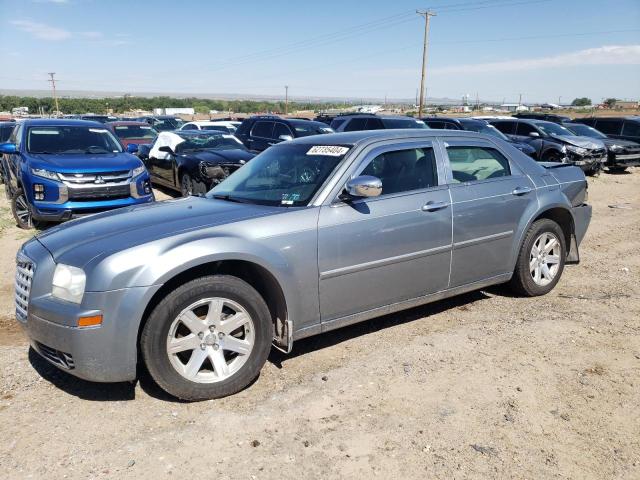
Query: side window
x,y
189,126
470,164
436,125
610,127
335,123
631,129
374,124
508,128
356,124
450,126
17,136
281,129
404,170
262,129
524,129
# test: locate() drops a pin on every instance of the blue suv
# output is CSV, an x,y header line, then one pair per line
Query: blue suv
x,y
60,169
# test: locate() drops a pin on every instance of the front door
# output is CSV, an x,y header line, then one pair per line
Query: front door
x,y
382,250
489,197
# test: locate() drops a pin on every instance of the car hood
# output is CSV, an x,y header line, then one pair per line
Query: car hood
x,y
234,155
78,241
85,163
583,142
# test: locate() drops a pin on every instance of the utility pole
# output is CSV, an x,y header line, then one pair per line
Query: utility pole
x,y
286,99
53,87
427,14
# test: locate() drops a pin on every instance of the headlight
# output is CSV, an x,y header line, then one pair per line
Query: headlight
x,y
68,283
578,150
138,171
40,172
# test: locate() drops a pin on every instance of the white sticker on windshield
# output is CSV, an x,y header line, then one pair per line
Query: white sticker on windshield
x,y
97,130
44,132
328,150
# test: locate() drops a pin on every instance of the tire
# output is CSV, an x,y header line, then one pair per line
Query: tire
x,y
167,325
617,169
186,185
21,210
524,280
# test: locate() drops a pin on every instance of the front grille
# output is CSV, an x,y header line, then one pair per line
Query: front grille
x,y
99,192
24,273
98,177
61,359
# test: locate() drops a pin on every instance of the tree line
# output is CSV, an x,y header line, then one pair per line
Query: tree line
x,y
127,103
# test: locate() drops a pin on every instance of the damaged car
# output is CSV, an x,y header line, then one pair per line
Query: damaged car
x,y
193,161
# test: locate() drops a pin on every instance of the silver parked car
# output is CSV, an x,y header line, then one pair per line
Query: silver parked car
x,y
311,235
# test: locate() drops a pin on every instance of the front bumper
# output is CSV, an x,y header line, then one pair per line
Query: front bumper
x,y
624,160
52,212
104,353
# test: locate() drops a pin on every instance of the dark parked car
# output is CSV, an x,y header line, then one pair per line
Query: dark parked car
x,y
474,125
137,133
324,118
621,153
260,132
369,121
310,236
624,128
549,117
554,143
193,161
60,169
163,123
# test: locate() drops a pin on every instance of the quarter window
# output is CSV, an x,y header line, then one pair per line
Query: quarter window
x,y
471,164
262,129
404,170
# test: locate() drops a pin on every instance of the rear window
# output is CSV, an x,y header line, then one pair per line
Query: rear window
x,y
71,139
135,131
474,163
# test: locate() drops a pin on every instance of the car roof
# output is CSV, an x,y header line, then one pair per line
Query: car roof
x,y
67,122
128,122
370,136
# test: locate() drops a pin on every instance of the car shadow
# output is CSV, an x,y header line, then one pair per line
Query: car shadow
x,y
335,337
123,391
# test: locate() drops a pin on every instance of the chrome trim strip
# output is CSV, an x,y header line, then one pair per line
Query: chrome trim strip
x,y
380,263
473,241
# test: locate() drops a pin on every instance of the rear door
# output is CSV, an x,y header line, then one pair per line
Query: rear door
x,y
489,197
377,251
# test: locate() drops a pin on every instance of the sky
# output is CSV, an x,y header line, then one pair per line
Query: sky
x,y
544,50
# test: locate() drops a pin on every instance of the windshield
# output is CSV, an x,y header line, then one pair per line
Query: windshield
x,y
208,141
403,123
283,175
135,131
485,128
586,131
71,139
553,128
304,128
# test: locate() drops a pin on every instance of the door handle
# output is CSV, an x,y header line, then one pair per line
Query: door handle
x,y
521,190
433,206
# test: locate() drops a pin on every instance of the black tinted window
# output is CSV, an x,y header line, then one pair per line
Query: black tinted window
x,y
610,127
524,129
469,164
508,128
281,129
5,132
262,129
374,124
356,124
404,170
436,125
189,126
337,122
631,129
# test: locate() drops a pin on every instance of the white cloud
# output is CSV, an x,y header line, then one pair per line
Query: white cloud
x,y
606,55
41,30
92,35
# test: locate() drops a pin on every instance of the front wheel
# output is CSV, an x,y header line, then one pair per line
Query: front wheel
x,y
21,210
207,339
541,259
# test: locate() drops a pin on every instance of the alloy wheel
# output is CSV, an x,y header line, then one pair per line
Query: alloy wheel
x,y
544,258
23,212
210,340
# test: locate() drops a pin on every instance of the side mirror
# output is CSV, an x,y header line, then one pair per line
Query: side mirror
x,y
285,138
132,148
8,148
534,134
364,186
166,149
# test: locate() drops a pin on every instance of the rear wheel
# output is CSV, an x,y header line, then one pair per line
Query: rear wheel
x,y
541,259
21,210
208,338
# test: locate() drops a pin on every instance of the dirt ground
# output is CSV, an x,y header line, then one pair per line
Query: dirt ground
x,y
481,386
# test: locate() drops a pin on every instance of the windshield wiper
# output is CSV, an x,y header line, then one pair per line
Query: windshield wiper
x,y
229,198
